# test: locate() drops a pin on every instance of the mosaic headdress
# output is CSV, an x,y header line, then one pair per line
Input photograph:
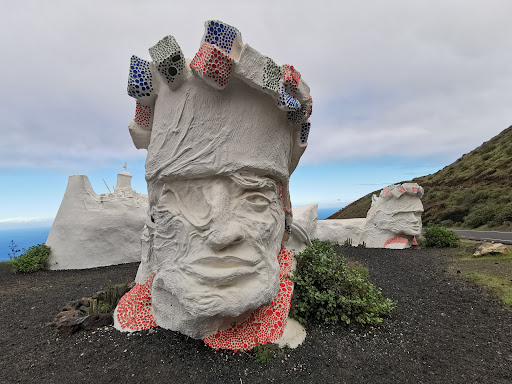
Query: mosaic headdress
x,y
397,190
199,133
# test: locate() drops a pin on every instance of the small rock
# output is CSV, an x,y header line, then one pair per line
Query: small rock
x,y
488,248
83,309
69,324
97,321
85,301
70,313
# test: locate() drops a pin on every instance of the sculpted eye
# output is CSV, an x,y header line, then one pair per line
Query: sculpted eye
x,y
257,200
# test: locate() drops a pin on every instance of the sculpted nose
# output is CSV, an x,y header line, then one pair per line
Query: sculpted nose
x,y
224,236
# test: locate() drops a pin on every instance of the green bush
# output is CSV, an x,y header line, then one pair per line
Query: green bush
x,y
34,259
440,237
481,215
329,291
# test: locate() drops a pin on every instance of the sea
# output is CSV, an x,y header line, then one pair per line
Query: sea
x,y
27,237
23,238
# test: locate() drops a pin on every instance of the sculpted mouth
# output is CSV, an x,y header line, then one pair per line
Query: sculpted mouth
x,y
219,271
225,262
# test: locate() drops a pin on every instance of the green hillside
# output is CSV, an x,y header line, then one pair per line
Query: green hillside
x,y
475,191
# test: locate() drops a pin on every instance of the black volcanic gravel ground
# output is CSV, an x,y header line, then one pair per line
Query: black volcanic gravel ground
x,y
444,330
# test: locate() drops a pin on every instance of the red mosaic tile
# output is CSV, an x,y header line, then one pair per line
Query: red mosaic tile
x,y
134,308
142,115
267,323
211,63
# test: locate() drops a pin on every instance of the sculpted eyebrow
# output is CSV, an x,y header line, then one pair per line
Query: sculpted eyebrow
x,y
255,183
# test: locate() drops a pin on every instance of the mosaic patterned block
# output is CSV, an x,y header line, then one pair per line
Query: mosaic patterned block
x,y
301,115
287,227
304,132
168,58
294,83
259,71
272,75
213,65
399,189
291,78
227,38
286,101
143,115
140,79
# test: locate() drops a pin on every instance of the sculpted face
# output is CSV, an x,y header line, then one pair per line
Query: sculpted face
x,y
400,216
215,242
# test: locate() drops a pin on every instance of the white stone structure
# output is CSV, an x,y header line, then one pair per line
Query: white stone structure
x,y
93,230
304,227
393,221
341,230
224,131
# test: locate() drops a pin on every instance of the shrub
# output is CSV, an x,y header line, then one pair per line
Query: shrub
x,y
481,215
329,291
440,237
34,259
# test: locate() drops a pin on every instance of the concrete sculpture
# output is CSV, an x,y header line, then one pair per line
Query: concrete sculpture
x,y
341,230
93,230
224,132
393,220
303,228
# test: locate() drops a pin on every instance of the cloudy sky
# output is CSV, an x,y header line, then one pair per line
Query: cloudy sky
x,y
400,88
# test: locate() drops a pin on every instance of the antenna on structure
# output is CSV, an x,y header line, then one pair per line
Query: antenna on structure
x,y
106,185
124,166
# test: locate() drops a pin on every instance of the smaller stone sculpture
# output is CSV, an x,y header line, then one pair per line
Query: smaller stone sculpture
x,y
93,230
393,220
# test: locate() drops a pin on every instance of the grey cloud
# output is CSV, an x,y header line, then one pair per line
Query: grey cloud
x,y
419,78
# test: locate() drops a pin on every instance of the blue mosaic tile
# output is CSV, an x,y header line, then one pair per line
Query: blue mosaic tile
x,y
304,132
140,79
287,101
220,34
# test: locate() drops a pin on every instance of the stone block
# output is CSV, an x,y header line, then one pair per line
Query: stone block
x,y
168,58
300,115
487,248
213,65
140,78
97,321
226,37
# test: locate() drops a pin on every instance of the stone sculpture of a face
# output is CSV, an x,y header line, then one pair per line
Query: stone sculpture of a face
x,y
214,246
394,218
224,132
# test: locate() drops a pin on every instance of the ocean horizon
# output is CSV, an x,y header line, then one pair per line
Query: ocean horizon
x,y
24,238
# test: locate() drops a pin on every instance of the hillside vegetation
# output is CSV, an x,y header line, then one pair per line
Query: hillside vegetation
x,y
473,192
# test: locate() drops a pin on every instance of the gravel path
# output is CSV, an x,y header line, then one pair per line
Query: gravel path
x,y
444,330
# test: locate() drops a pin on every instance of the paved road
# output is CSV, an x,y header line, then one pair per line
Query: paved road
x,y
498,237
